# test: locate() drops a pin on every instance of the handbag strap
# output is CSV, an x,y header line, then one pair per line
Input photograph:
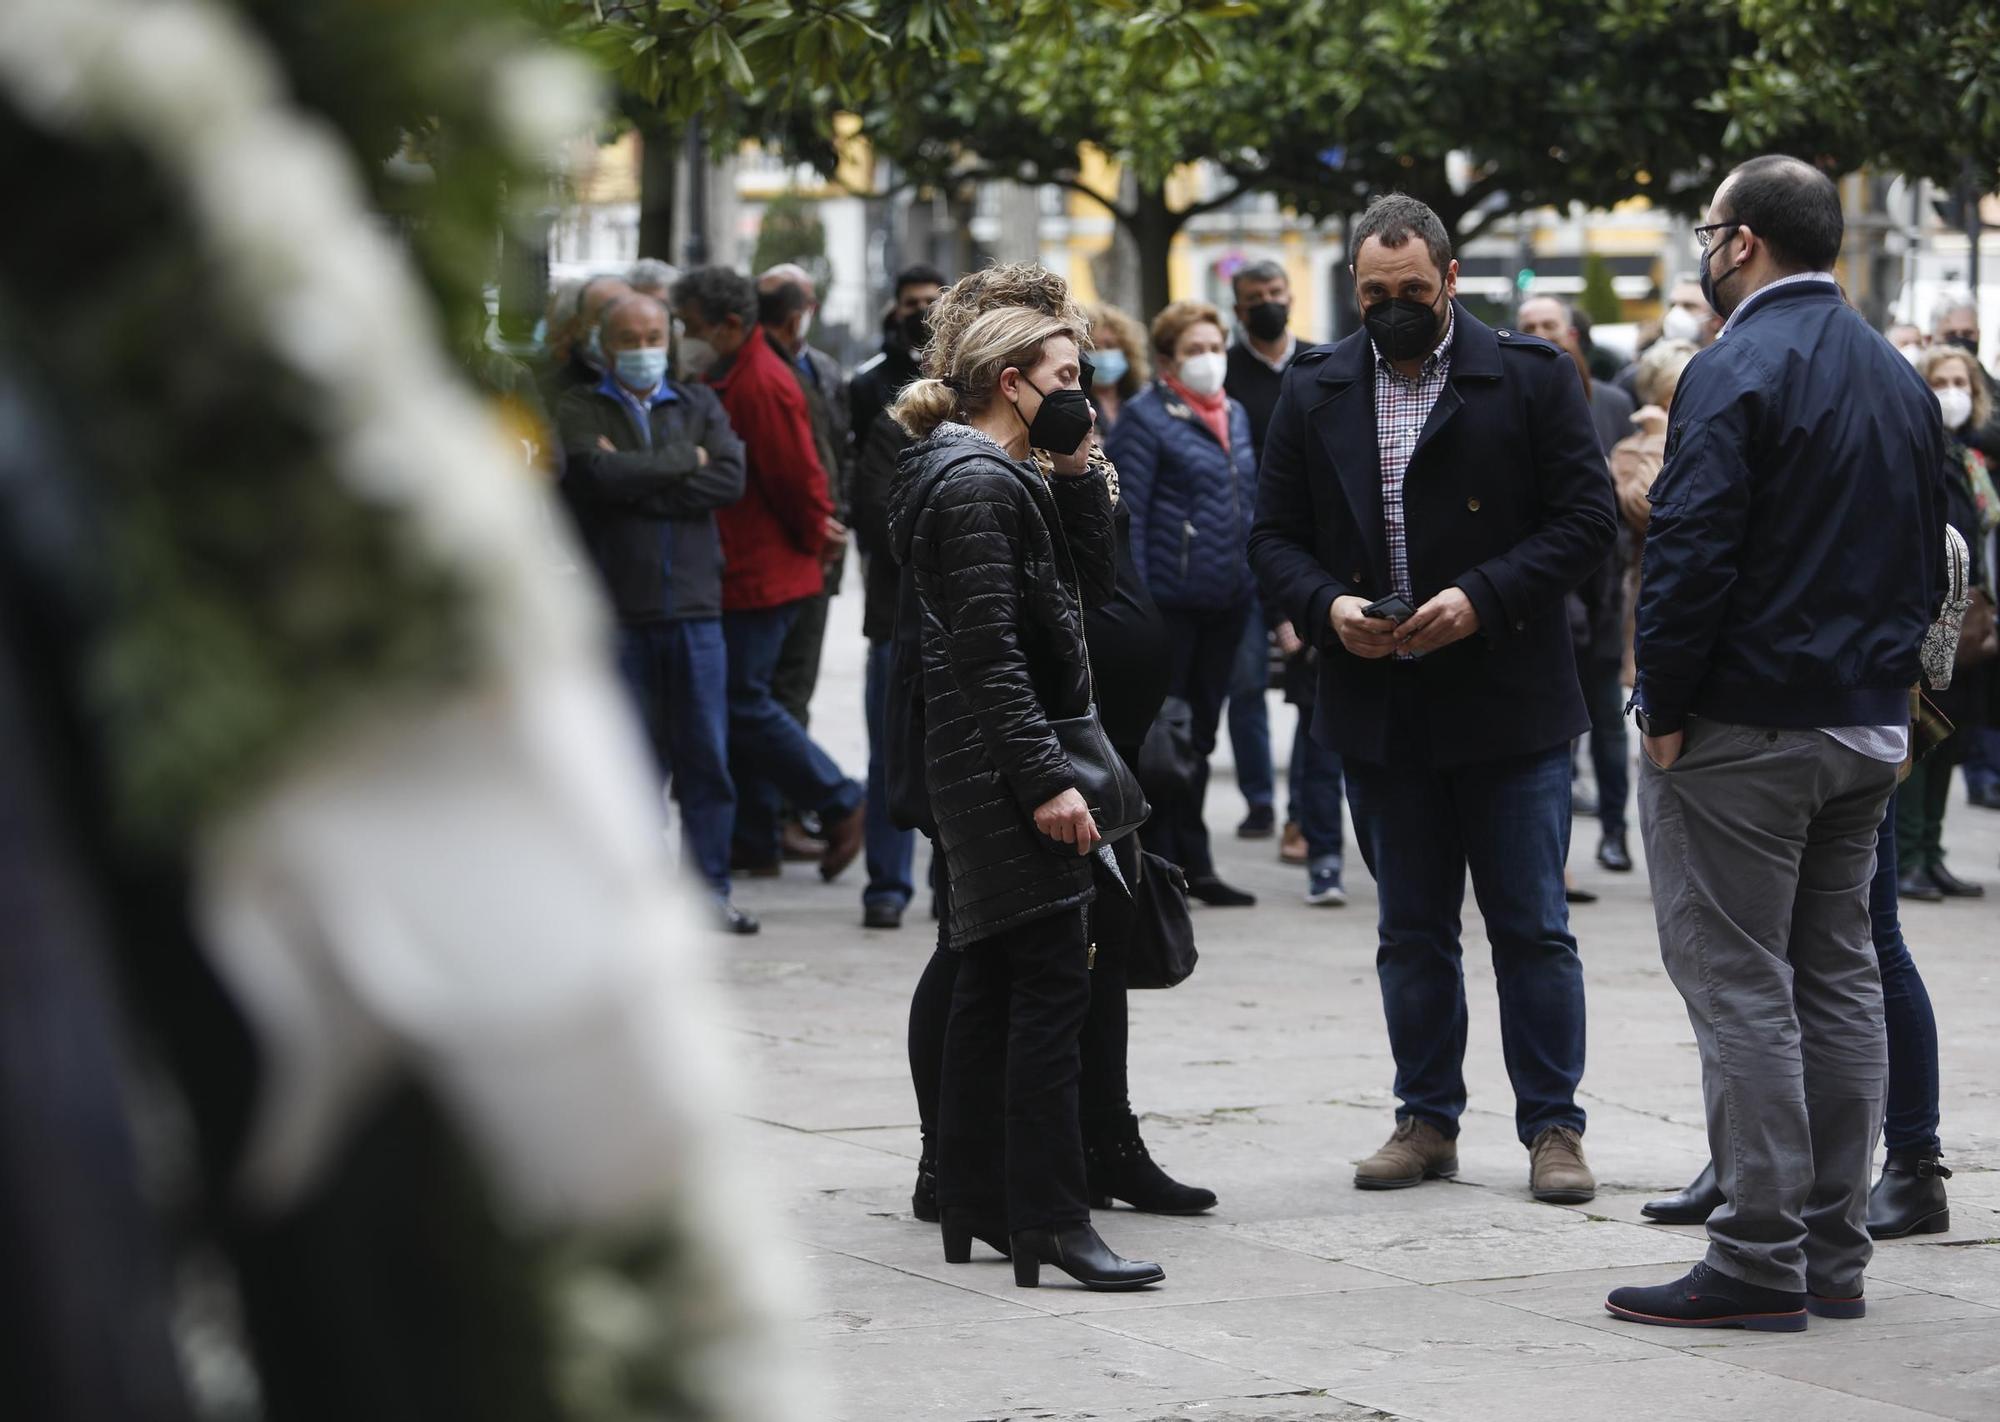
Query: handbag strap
x,y
1061,539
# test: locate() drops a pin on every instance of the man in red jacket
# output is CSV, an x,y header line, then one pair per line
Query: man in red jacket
x,y
773,539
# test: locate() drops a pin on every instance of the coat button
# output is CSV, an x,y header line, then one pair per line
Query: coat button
x,y
1472,505
1520,626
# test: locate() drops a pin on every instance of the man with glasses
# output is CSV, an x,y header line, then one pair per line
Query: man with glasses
x,y
1792,565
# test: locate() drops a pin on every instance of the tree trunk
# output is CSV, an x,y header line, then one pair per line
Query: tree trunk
x,y
1153,225
660,148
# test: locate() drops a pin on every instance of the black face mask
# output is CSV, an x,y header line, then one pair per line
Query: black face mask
x,y
914,330
1968,344
1711,286
1403,329
1267,319
1062,423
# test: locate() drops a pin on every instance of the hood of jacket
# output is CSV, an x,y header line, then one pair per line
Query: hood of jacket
x,y
918,472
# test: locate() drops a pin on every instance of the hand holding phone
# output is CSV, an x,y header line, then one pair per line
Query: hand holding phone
x,y
1393,608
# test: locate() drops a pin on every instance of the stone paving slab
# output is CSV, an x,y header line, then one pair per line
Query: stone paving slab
x,y
1265,1077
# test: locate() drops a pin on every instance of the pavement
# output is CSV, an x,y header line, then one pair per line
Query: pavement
x,y
1264,1077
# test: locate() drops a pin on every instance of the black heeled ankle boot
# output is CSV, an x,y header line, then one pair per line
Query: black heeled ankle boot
x,y
1121,1169
1079,1253
1692,1206
923,1199
961,1227
1909,1198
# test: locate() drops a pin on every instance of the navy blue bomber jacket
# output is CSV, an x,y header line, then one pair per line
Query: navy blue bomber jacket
x,y
1795,552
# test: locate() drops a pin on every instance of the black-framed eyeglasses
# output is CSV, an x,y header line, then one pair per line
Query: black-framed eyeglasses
x,y
1704,236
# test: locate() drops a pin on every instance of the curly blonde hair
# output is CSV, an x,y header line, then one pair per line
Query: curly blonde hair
x,y
1130,337
1016,287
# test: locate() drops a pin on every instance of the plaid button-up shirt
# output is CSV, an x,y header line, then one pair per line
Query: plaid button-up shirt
x,y
1402,406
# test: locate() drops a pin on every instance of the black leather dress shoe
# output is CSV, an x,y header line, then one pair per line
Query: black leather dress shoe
x,y
1987,797
1705,1299
881,915
1953,887
1613,854
1909,1198
732,919
1691,1206
1079,1253
1916,885
1212,891
1573,895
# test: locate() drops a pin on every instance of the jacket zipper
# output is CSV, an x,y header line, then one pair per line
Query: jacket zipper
x,y
1187,539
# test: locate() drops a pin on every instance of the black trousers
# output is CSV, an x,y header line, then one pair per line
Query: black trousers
x,y
1104,1095
1202,658
1011,1057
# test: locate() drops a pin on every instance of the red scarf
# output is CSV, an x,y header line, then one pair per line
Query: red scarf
x,y
1213,409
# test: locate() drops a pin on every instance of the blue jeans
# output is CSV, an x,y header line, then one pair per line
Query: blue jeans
x,y
676,672
1508,822
771,757
890,851
1314,781
1982,758
1910,1120
1250,713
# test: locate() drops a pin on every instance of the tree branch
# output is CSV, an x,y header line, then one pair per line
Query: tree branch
x,y
1208,205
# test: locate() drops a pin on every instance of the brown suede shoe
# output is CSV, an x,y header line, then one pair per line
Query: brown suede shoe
x,y
1416,1153
1292,845
843,843
1557,1174
797,846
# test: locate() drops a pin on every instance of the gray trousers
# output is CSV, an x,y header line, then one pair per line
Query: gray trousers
x,y
1761,845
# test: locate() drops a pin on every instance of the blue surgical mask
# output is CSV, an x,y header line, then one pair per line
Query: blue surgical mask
x,y
1108,367
642,369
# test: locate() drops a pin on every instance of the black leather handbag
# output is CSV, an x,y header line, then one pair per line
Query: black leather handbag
x,y
1168,763
1105,781
1161,949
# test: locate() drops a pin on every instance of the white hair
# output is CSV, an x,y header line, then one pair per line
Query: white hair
x,y
649,275
1949,304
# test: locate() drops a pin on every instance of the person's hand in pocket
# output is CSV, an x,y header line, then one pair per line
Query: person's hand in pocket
x,y
1663,751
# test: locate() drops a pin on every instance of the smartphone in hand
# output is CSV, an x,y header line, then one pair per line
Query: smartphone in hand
x,y
1395,607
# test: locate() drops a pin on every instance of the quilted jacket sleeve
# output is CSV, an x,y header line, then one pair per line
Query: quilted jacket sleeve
x,y
1084,505
975,585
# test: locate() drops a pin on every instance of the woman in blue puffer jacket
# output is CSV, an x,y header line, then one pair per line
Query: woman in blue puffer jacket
x,y
1188,473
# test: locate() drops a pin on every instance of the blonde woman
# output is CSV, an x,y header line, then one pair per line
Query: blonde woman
x,y
1004,560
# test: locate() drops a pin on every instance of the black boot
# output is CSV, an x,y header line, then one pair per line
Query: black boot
x,y
923,1199
1121,1169
1692,1206
961,1227
1909,1198
1079,1253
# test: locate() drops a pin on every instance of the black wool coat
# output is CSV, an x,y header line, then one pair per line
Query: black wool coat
x,y
1001,609
1506,497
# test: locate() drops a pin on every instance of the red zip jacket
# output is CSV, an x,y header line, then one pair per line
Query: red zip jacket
x,y
772,536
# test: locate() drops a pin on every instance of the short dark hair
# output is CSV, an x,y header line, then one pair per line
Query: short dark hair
x,y
719,292
1793,206
921,274
779,304
1255,271
1393,219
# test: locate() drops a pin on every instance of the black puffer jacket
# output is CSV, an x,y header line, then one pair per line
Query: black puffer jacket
x,y
1003,653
